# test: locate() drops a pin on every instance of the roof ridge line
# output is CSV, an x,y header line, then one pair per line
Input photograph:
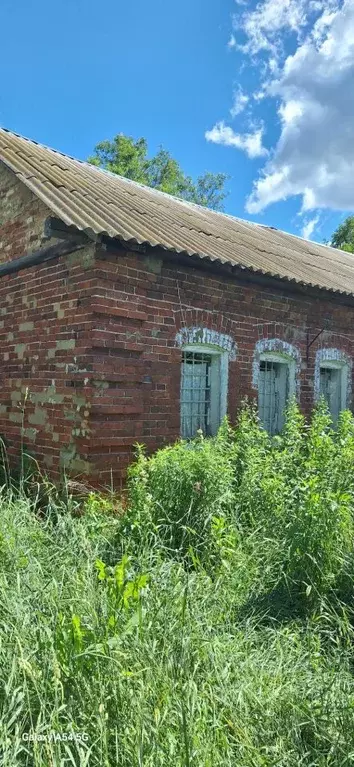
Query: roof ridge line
x,y
90,197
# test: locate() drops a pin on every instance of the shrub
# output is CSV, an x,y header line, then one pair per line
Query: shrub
x,y
294,491
162,663
319,530
120,664
177,493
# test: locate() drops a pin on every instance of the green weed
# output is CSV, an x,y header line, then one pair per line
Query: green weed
x,y
211,626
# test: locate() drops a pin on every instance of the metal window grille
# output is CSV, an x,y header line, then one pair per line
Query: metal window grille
x,y
196,393
330,389
273,394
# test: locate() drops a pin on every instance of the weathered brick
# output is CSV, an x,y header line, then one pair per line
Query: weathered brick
x,y
88,346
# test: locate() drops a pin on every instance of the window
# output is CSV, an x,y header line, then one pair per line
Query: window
x,y
333,385
333,378
276,376
203,390
276,383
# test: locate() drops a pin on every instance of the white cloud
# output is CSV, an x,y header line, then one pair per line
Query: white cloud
x,y
304,53
232,42
309,227
264,25
251,143
240,102
314,156
290,111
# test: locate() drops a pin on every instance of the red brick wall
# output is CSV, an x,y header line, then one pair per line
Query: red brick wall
x,y
89,341
44,340
45,362
139,305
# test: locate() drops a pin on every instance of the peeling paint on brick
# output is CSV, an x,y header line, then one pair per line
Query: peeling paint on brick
x,y
30,303
16,417
153,264
65,344
30,434
20,350
48,396
26,326
84,258
59,311
72,462
39,416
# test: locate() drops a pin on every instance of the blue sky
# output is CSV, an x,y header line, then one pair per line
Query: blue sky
x,y
81,71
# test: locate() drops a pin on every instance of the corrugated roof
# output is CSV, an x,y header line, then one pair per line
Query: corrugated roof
x,y
97,201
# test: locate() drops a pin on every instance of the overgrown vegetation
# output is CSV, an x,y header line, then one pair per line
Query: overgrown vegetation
x,y
210,625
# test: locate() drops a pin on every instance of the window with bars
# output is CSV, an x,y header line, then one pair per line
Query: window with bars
x,y
333,382
203,390
276,383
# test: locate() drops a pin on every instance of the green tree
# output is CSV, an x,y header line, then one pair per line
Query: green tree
x,y
128,157
343,237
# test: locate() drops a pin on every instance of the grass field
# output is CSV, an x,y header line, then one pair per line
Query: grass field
x,y
210,626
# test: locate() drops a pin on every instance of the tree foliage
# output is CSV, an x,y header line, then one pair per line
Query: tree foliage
x,y
129,158
343,237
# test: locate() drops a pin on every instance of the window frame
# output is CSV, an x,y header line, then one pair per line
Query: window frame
x,y
279,358
337,359
218,389
343,367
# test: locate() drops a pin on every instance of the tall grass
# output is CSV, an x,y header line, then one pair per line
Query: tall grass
x,y
212,625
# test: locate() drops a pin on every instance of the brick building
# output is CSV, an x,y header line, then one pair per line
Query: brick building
x,y
129,316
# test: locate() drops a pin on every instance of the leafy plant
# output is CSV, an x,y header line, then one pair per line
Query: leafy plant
x,y
178,492
128,157
343,237
173,634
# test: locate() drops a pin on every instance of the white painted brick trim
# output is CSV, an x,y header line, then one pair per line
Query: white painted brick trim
x,y
205,336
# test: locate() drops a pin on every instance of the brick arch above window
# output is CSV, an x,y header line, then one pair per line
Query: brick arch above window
x,y
276,347
208,337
